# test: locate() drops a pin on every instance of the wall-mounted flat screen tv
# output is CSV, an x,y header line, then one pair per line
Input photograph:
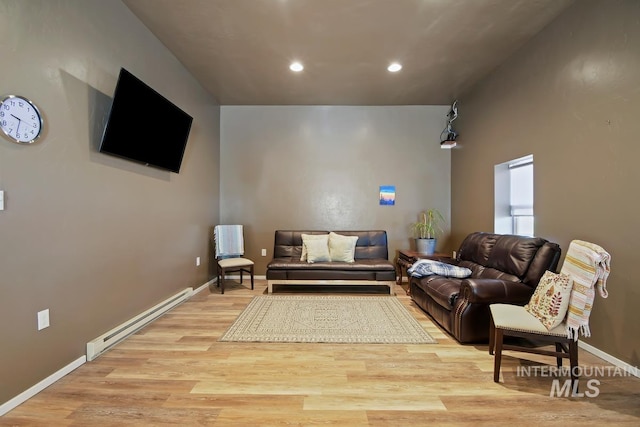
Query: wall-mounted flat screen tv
x,y
144,126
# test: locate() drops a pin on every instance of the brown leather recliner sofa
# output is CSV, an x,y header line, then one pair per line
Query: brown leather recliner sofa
x,y
371,266
504,269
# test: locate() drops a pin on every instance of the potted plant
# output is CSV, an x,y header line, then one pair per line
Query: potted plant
x,y
426,230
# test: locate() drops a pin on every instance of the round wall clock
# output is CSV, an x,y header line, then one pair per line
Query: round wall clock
x,y
20,119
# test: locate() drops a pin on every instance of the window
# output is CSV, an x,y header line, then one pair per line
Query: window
x,y
514,197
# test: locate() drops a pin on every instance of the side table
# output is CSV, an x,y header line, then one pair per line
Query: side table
x,y
407,257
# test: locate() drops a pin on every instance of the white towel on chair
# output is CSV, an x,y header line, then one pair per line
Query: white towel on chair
x,y
588,265
229,240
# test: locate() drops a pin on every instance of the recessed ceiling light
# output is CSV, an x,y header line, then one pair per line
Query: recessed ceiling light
x,y
296,66
394,67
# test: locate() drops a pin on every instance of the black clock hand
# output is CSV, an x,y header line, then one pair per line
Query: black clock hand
x,y
19,121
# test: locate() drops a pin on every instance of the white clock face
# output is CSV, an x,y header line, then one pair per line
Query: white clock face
x,y
20,120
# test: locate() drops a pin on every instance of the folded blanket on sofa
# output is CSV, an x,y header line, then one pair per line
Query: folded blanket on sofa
x,y
428,267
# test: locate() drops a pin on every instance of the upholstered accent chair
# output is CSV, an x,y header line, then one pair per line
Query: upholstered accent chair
x,y
586,268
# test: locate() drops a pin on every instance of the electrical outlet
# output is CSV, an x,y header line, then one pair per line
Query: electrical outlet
x,y
197,261
264,252
43,319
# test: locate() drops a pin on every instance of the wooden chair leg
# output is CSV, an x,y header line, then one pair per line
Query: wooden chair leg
x,y
559,349
573,363
241,270
251,272
222,273
498,355
492,333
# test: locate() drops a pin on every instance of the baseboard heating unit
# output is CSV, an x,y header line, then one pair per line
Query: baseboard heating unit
x,y
107,340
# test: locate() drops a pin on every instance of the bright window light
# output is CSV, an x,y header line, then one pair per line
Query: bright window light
x,y
513,189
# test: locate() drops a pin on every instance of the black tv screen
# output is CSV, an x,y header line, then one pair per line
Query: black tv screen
x,y
144,126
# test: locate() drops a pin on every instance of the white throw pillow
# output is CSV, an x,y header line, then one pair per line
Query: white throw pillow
x,y
550,301
307,237
318,250
342,248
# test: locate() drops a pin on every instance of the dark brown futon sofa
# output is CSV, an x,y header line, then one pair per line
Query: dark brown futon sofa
x,y
371,266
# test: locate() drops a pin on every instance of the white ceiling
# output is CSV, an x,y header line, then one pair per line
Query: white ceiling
x,y
240,50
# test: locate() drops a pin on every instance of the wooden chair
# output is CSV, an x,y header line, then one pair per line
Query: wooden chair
x,y
588,266
514,321
229,243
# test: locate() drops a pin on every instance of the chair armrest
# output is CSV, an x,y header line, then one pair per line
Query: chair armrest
x,y
489,291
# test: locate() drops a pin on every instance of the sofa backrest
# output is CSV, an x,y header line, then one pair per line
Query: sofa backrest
x,y
371,244
509,257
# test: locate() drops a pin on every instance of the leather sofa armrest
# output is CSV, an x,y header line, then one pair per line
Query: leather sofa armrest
x,y
489,291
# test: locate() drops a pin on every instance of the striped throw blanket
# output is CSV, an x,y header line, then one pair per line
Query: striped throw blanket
x,y
229,240
428,267
588,265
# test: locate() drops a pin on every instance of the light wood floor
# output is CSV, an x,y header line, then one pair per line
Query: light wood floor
x,y
176,372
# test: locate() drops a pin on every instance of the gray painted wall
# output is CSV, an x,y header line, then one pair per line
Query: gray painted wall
x,y
571,98
95,239
320,167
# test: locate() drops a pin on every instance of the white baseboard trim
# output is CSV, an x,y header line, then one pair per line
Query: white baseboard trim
x,y
633,370
32,391
205,286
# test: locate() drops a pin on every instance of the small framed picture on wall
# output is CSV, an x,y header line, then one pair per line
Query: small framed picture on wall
x,y
387,195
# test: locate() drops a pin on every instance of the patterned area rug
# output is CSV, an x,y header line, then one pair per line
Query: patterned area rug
x,y
327,319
